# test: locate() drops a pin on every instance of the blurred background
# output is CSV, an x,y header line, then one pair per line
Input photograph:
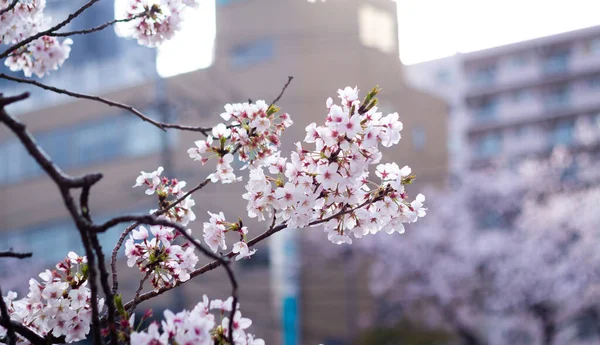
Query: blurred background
x,y
500,102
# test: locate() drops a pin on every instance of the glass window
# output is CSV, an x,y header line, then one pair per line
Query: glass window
x,y
484,75
418,138
443,76
594,82
556,63
562,134
486,109
593,46
520,95
489,145
518,60
557,97
244,56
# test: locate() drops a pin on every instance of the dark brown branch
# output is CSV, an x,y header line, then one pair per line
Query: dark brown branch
x,y
97,28
290,78
46,32
110,302
10,330
85,239
11,254
9,7
84,96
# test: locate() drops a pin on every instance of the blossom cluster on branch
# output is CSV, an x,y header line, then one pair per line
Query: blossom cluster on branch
x,y
59,305
198,326
24,20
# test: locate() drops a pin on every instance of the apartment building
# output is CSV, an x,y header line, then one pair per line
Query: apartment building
x,y
519,99
258,45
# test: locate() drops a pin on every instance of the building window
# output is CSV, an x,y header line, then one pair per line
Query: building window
x,y
377,28
562,133
418,138
556,63
557,97
593,82
486,110
521,95
593,46
246,55
484,76
518,60
489,145
84,144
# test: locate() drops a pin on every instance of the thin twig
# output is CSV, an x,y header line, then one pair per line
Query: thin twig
x,y
46,32
83,96
11,254
290,78
97,28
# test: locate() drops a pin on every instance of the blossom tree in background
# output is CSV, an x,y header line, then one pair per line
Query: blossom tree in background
x,y
512,261
326,181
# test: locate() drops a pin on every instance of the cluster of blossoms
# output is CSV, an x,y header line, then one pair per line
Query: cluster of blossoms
x,y
253,131
330,184
168,262
41,55
214,235
59,305
155,21
198,326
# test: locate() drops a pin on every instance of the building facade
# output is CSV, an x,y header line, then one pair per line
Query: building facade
x,y
520,99
268,41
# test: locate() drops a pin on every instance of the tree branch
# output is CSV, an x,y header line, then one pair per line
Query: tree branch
x,y
46,32
290,78
97,28
83,96
11,254
9,7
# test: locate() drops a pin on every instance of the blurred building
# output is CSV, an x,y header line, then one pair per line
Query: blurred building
x,y
258,45
519,99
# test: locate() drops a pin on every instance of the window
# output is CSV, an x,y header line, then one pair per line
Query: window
x,y
84,144
520,95
244,56
484,75
556,63
486,110
518,60
593,82
488,145
557,97
377,28
593,46
562,133
418,138
521,131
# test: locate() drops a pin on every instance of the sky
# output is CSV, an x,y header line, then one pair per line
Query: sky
x,y
432,29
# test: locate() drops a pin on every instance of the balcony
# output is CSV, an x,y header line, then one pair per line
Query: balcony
x,y
556,64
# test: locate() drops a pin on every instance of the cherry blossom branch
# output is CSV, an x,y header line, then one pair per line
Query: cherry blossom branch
x,y
152,220
127,231
97,28
9,8
11,254
51,30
